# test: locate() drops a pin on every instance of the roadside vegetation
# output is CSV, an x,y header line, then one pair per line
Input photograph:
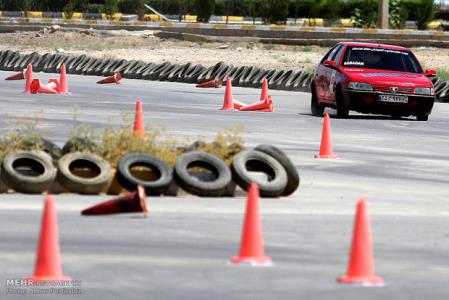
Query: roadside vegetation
x,y
363,13
112,143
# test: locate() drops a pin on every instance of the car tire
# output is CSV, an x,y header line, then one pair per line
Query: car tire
x,y
316,109
422,117
251,160
79,184
39,166
152,187
293,179
342,109
197,185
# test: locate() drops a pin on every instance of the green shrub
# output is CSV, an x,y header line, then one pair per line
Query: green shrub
x,y
274,11
398,14
136,7
204,9
110,7
365,15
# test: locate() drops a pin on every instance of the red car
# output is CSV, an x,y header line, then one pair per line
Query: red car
x,y
372,78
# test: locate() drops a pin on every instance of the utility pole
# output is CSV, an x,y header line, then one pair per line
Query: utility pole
x,y
382,21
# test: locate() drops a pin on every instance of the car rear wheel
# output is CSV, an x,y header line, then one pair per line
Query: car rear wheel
x,y
317,109
342,109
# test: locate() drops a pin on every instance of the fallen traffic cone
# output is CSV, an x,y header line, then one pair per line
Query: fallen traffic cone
x,y
130,203
238,104
264,94
139,128
48,260
263,106
17,76
53,83
63,85
251,247
326,149
210,84
361,261
111,79
38,88
228,103
28,79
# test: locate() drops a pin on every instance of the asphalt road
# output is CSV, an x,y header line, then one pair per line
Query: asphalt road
x,y
181,251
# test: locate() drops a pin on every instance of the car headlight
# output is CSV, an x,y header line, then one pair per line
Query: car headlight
x,y
424,91
360,86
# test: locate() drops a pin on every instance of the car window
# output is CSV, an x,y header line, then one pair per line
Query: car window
x,y
334,52
382,59
329,54
338,55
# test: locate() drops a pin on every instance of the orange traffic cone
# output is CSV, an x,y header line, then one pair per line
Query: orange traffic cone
x,y
111,79
326,149
38,88
263,106
210,84
264,93
63,86
17,76
48,260
251,247
238,104
361,261
132,202
139,128
28,78
228,103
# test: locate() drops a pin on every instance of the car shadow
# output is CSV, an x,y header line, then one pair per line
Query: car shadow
x,y
364,117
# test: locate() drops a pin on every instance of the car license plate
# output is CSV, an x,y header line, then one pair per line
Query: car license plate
x,y
393,99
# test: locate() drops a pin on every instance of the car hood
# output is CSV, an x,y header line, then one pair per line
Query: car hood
x,y
387,77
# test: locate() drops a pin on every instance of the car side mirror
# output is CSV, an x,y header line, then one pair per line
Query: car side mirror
x,y
330,63
430,72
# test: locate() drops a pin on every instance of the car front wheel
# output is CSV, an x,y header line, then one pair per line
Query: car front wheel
x,y
342,109
422,117
317,109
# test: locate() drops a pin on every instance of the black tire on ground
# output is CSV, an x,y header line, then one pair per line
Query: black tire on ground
x,y
293,179
140,71
96,171
213,184
342,109
28,171
250,160
316,109
163,75
178,72
52,149
191,75
154,73
422,117
157,186
78,144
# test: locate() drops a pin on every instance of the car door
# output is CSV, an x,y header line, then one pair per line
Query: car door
x,y
320,77
334,74
330,75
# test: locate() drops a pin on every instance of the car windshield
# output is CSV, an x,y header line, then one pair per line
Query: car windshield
x,y
381,58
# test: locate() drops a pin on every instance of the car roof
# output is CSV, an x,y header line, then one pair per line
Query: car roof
x,y
372,45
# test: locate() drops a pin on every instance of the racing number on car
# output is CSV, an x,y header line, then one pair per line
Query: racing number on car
x,y
332,82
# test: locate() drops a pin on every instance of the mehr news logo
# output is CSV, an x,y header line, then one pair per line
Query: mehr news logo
x,y
20,286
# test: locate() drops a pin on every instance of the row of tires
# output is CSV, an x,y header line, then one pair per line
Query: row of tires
x,y
196,172
245,76
441,88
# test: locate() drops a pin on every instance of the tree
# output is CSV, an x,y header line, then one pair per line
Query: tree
x,y
274,11
204,9
427,9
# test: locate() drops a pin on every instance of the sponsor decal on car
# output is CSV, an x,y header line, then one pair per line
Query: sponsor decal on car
x,y
369,75
380,50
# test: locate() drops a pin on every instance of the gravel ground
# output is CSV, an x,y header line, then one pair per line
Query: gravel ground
x,y
145,46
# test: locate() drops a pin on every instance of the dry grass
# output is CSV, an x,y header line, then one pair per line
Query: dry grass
x,y
23,136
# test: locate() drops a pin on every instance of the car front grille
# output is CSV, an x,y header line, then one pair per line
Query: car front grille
x,y
386,89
